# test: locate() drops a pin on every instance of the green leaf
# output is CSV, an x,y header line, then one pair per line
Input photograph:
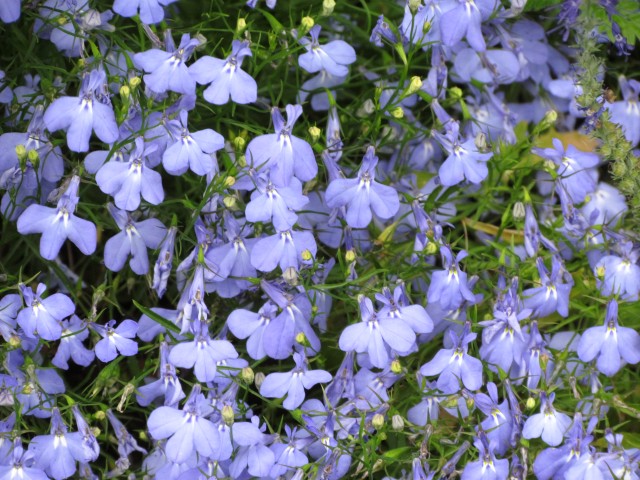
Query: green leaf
x,y
396,452
275,24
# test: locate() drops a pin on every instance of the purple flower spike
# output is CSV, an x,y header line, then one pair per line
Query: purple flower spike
x,y
610,343
84,113
332,57
282,153
58,224
293,383
377,335
464,160
134,239
127,181
453,365
549,424
116,340
151,11
192,150
363,195
42,317
225,77
167,69
188,430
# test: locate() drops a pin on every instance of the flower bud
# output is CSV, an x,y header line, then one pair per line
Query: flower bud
x,y
33,157
96,431
100,415
143,435
431,248
414,5
230,202
125,91
241,25
247,375
327,7
414,85
315,133
366,109
21,152
350,255
242,161
134,82
377,421
230,181
239,143
396,366
397,423
481,141
397,112
259,378
531,402
301,338
228,416
455,93
307,23
306,255
518,211
14,341
290,276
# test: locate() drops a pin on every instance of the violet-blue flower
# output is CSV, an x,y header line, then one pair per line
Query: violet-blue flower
x,y
549,424
553,295
287,249
246,324
620,274
116,340
333,56
293,383
42,316
21,465
168,385
10,11
277,204
487,467
74,332
363,195
626,112
450,287
225,77
151,11
164,263
464,21
58,224
84,113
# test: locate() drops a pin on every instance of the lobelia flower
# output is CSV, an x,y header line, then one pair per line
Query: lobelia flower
x,y
151,11
530,365
202,354
363,195
10,11
498,423
487,467
188,430
277,204
494,67
70,37
39,389
332,57
134,239
464,21
58,224
282,154
225,77
626,112
428,409
42,317
74,332
620,274
553,295
532,236
10,305
288,455
116,340
610,343
58,452
610,204
450,287
376,335
126,442
398,307
164,264
90,447
21,465
453,365
549,424
167,69
464,160
168,385
288,249
84,113
127,181
293,383
192,150
246,324
253,454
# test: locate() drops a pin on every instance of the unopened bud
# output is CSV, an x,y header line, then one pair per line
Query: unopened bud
x,y
100,415
21,152
530,403
228,416
230,202
550,118
396,366
134,82
414,85
397,423
307,23
33,157
350,255
241,160
241,25
126,393
367,108
14,341
239,143
230,181
96,431
327,7
315,133
306,255
426,26
259,378
301,338
377,421
125,91
518,211
455,93
247,375
143,435
61,20
290,276
481,141
432,248
414,5
397,112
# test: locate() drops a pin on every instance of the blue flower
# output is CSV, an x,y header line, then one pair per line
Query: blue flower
x,y
287,249
626,112
498,424
487,467
164,263
450,287
465,20
10,11
188,430
126,442
58,224
225,77
282,154
151,11
293,383
620,274
134,239
277,204
192,150
21,465
167,386
453,365
253,454
84,113
116,340
549,424
74,332
553,295
167,69
42,317
609,343
363,195
332,57
246,324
